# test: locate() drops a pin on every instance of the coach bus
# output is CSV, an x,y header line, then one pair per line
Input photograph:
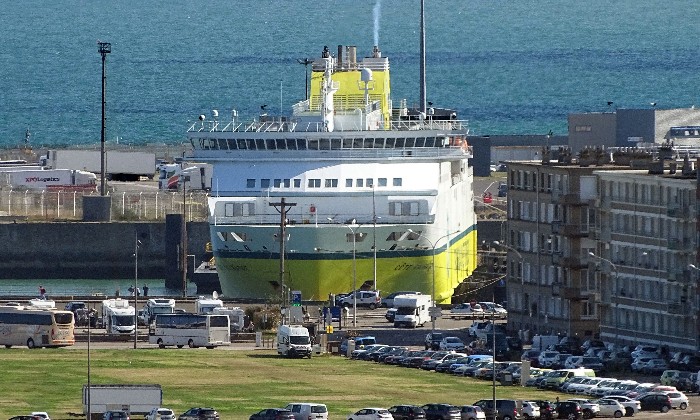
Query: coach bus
x,y
36,327
193,330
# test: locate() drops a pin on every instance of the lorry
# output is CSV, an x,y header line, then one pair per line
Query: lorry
x,y
293,341
51,179
542,342
412,310
119,165
157,306
118,317
134,399
195,176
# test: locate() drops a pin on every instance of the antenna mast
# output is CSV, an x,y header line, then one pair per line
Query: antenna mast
x,y
422,58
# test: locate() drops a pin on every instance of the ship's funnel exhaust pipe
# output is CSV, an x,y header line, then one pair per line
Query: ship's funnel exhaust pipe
x,y
376,53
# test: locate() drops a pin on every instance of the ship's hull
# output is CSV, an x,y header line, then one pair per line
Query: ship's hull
x,y
256,274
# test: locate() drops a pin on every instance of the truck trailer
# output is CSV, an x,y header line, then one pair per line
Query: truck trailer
x,y
52,179
135,399
119,166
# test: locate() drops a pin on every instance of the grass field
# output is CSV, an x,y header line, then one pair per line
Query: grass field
x,y
236,383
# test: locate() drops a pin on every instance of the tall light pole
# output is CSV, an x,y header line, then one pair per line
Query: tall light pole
x,y
103,48
616,290
352,226
136,288
520,256
433,245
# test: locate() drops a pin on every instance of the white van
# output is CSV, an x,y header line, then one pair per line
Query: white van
x,y
308,411
293,341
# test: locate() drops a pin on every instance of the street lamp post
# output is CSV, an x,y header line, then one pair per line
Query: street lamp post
x,y
616,290
352,226
433,245
103,48
136,288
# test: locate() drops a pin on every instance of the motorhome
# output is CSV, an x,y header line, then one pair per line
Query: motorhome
x,y
412,310
236,316
206,305
118,317
293,341
154,307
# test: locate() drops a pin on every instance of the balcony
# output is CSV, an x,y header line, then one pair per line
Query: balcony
x,y
678,308
568,261
560,197
679,275
565,229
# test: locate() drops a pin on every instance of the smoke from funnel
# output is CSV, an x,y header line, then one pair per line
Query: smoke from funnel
x,y
377,12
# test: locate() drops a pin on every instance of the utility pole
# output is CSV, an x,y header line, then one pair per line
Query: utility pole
x,y
282,207
104,48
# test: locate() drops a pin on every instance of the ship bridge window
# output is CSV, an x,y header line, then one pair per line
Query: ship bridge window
x,y
381,182
336,144
260,144
241,144
250,183
430,142
331,183
420,142
347,143
297,183
277,183
314,183
265,183
398,182
359,182
286,182
390,143
379,143
410,142
348,182
368,144
312,144
400,143
250,144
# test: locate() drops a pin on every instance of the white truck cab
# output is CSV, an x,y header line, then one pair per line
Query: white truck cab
x,y
293,341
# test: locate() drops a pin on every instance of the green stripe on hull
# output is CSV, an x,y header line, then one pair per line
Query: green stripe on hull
x,y
316,277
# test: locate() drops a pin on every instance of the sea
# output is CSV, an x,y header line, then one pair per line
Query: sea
x,y
507,66
23,288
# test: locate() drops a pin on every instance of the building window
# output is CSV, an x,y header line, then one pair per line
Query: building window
x,y
277,183
370,182
359,182
382,182
264,183
398,182
297,183
286,182
348,183
331,183
250,183
314,183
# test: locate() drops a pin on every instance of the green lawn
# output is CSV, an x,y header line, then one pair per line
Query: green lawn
x,y
236,383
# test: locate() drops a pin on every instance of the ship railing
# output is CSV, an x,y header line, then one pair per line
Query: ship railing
x,y
315,219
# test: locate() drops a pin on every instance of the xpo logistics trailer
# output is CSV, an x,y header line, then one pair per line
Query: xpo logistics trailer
x,y
135,399
52,179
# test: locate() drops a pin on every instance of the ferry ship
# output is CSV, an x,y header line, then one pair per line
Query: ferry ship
x,y
346,193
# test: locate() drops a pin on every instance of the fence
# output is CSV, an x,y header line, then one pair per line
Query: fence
x,y
127,206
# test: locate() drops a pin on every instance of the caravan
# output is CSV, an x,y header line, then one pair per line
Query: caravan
x,y
154,307
293,341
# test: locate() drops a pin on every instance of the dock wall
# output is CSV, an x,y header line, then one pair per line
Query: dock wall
x,y
92,250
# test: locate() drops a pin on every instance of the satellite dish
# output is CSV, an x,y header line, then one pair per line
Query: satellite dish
x,y
215,294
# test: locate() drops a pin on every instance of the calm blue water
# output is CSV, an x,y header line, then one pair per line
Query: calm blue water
x,y
82,287
510,67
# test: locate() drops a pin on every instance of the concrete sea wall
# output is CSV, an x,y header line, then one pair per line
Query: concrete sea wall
x,y
90,250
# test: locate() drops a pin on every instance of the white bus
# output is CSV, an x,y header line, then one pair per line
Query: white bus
x,y
36,327
193,330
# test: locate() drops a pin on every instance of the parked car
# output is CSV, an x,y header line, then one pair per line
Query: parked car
x,y
530,410
472,412
160,413
441,412
610,408
568,410
360,342
113,415
371,413
368,299
638,364
631,405
451,343
645,351
478,328
494,309
588,408
308,411
407,412
655,366
199,413
42,415
548,410
388,300
678,400
547,358
531,355
505,409
432,340
655,401
466,310
273,414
